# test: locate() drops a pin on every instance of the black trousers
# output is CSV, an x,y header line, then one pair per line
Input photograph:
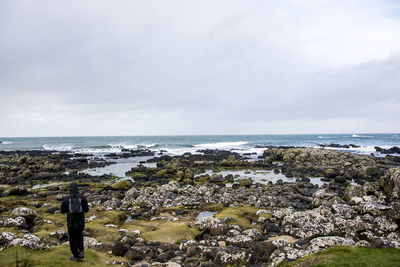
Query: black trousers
x,y
75,241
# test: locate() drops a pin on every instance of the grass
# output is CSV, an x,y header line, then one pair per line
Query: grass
x,y
163,231
242,216
349,256
56,256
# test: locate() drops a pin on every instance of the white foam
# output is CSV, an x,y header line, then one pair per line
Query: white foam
x,y
361,136
6,143
326,137
64,147
222,145
130,146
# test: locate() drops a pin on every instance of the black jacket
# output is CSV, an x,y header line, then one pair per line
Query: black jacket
x,y
78,218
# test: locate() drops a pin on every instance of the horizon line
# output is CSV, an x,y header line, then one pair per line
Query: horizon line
x,y
167,135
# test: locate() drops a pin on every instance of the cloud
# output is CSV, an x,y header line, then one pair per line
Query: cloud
x,y
185,67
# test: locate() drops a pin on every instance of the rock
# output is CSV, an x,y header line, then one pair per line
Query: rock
x,y
17,222
246,182
29,241
322,197
27,213
320,243
5,238
213,225
263,250
373,208
18,191
119,249
390,183
239,240
134,254
53,209
343,210
90,242
309,223
269,227
216,178
385,224
60,235
254,234
330,173
231,255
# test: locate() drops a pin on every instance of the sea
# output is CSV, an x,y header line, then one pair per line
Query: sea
x,y
179,144
252,146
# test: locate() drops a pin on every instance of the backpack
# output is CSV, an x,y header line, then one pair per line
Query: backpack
x,y
75,205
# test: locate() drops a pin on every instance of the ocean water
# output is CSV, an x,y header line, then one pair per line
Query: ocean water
x,y
176,145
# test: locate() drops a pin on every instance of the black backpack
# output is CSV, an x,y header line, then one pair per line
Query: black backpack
x,y
75,205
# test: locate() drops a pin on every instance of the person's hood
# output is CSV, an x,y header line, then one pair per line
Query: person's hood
x,y
73,189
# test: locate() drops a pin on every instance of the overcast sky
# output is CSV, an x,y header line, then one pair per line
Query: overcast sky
x,y
199,67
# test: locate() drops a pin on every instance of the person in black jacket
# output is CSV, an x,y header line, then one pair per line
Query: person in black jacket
x,y
75,221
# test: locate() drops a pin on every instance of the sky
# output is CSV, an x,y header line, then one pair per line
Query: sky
x,y
82,68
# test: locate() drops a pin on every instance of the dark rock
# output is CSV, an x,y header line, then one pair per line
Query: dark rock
x,y
53,209
18,191
134,254
119,249
217,178
263,250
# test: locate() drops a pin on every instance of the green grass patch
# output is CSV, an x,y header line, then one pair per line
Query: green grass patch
x,y
56,256
163,231
242,216
349,256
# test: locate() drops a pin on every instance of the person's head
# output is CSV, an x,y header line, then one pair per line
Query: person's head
x,y
73,189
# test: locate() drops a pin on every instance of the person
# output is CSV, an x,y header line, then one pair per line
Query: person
x,y
75,206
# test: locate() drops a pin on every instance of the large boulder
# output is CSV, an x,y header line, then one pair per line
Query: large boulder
x,y
390,183
28,214
19,222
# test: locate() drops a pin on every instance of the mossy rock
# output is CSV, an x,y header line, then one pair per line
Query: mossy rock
x,y
27,173
371,171
330,173
288,157
246,182
122,185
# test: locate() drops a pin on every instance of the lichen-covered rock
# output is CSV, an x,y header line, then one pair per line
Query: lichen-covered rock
x,y
60,235
90,242
253,234
232,255
29,241
214,225
390,183
27,213
323,242
5,238
309,223
385,224
373,208
19,222
349,226
343,210
322,197
239,240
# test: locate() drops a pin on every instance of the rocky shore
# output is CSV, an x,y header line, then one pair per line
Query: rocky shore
x,y
195,210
